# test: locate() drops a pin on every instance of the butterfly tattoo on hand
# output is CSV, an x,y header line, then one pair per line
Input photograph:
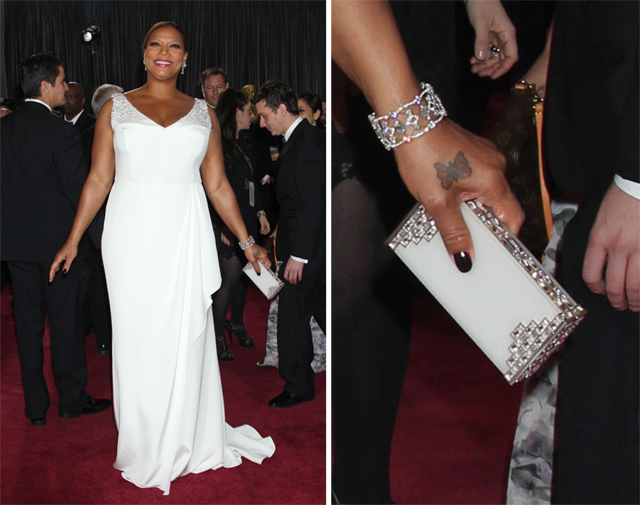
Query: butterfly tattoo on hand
x,y
454,171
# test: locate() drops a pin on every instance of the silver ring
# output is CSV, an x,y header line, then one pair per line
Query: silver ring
x,y
494,51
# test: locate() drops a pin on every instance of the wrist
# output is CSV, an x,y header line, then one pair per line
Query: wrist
x,y
246,244
409,121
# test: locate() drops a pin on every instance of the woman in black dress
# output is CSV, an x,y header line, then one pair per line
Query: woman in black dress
x,y
235,114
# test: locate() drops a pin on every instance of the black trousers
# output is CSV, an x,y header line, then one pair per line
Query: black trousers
x,y
597,424
33,298
295,344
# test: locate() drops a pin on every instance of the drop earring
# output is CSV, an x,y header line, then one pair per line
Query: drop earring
x,y
145,64
183,67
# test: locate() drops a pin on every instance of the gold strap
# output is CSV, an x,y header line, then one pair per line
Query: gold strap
x,y
544,192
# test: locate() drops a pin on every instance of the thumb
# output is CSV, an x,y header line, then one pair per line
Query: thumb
x,y
455,235
481,46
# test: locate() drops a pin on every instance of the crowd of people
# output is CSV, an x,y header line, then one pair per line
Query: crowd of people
x,y
136,222
110,208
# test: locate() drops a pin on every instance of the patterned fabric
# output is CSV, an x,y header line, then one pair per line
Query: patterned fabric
x,y
319,363
531,460
124,112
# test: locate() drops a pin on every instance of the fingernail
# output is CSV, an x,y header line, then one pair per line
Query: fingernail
x,y
463,261
481,55
64,271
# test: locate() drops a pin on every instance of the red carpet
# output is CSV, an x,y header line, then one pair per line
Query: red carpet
x,y
456,421
70,461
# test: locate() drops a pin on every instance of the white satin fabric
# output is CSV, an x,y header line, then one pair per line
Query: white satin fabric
x,y
161,265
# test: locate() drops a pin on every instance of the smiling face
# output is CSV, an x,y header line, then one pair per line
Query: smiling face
x,y
213,86
244,117
164,53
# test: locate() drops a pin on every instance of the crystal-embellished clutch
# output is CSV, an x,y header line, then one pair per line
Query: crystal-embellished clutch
x,y
267,282
513,310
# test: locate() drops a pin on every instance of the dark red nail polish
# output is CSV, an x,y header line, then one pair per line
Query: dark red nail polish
x,y
463,261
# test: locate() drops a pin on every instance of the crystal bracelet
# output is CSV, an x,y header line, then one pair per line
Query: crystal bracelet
x,y
410,121
247,243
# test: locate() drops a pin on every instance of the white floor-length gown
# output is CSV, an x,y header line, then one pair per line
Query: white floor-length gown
x,y
161,265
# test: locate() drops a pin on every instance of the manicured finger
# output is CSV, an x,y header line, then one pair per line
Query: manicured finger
x,y
455,235
481,46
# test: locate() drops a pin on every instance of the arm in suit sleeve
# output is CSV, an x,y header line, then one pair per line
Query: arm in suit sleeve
x,y
310,185
70,165
612,260
627,160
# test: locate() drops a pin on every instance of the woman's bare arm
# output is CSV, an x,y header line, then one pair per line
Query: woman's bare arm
x,y
367,46
95,190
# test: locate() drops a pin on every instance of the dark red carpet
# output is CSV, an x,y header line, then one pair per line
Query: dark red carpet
x,y
457,418
70,461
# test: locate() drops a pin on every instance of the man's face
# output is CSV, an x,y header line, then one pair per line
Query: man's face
x,y
213,86
58,90
270,119
75,100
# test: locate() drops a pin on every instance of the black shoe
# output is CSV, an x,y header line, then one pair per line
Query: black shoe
x,y
241,334
287,399
92,406
104,350
38,422
224,354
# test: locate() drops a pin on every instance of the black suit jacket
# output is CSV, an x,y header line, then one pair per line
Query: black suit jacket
x,y
301,186
85,121
591,109
43,171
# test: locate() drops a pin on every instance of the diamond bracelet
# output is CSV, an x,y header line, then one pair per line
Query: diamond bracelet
x,y
246,243
410,121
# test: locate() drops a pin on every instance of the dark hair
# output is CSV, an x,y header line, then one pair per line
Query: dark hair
x,y
229,102
312,100
274,93
162,24
315,102
212,71
38,68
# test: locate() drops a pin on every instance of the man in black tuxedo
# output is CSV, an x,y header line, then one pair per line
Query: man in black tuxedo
x,y
43,172
74,108
300,187
592,144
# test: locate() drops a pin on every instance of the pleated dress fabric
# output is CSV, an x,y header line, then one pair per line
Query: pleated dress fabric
x,y
161,266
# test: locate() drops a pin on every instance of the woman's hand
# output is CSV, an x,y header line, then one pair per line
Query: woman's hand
x,y
256,253
66,255
450,165
265,227
493,28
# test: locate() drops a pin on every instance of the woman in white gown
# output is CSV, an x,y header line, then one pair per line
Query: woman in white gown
x,y
161,265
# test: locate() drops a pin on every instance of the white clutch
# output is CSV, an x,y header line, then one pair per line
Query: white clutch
x,y
267,282
513,310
